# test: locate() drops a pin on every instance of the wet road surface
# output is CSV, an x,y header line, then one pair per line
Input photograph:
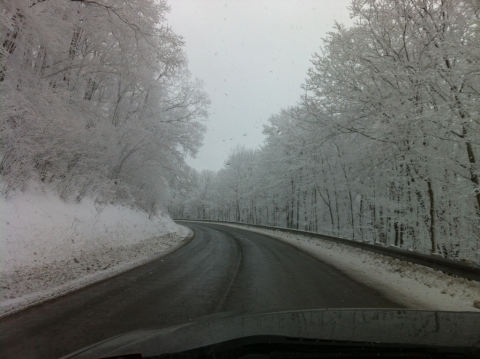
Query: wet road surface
x,y
223,269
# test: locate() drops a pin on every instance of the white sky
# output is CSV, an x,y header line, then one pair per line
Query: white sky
x,y
252,55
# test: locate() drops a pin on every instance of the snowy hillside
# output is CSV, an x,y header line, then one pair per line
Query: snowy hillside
x,y
46,242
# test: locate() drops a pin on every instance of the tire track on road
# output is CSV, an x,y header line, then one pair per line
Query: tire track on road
x,y
222,301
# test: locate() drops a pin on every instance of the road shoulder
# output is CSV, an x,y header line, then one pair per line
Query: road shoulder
x,y
52,286
412,285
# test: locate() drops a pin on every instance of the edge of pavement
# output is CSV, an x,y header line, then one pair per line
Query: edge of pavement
x,y
12,306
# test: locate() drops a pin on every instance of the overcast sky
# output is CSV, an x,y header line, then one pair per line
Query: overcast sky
x,y
253,56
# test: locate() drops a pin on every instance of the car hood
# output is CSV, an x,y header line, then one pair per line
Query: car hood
x,y
408,327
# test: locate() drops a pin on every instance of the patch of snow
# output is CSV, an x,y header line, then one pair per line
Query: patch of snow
x,y
412,285
49,247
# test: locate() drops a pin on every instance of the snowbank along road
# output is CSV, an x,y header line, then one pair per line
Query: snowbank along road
x,y
222,269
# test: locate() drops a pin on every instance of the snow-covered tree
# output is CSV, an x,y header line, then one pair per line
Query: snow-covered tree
x,y
384,145
96,99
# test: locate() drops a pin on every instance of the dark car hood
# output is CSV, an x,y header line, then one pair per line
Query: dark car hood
x,y
409,327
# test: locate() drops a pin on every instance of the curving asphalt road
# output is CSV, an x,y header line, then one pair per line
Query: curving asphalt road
x,y
223,269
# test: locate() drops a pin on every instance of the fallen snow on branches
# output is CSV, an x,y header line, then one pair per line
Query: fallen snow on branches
x,y
412,285
49,247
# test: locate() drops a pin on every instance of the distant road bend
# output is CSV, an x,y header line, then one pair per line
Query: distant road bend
x,y
223,269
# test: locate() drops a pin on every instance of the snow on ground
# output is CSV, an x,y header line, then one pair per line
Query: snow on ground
x,y
412,285
49,247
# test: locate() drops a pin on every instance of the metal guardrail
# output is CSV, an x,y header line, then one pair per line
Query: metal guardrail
x,y
448,266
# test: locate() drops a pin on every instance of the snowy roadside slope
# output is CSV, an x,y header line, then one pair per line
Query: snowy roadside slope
x,y
49,247
415,286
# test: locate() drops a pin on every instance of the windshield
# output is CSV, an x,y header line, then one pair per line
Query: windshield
x,y
164,161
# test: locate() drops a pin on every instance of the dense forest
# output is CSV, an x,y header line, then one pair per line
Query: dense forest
x,y
96,100
382,147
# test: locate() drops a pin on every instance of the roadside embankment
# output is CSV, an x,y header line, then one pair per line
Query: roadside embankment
x,y
49,247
